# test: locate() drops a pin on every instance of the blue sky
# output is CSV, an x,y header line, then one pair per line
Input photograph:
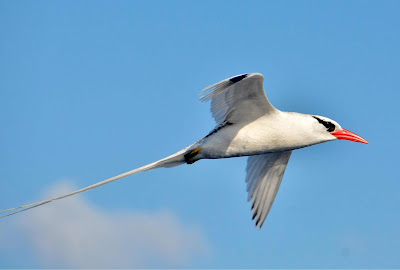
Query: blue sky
x,y
91,89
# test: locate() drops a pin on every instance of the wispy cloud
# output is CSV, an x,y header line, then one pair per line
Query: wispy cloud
x,y
75,233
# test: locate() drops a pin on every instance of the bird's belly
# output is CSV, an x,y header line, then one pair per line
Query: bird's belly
x,y
255,142
242,141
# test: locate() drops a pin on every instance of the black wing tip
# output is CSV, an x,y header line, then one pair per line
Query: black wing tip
x,y
238,78
257,218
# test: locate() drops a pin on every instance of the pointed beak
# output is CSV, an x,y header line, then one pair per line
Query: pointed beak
x,y
345,134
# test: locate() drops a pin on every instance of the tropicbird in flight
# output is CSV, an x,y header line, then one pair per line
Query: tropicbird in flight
x,y
247,125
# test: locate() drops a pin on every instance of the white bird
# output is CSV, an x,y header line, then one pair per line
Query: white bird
x,y
247,125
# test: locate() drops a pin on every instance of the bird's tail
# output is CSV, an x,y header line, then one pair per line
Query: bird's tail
x,y
170,161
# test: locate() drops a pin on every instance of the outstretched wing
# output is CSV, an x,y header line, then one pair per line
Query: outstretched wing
x,y
264,176
238,99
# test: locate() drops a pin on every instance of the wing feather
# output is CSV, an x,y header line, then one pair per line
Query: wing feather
x,y
264,176
238,99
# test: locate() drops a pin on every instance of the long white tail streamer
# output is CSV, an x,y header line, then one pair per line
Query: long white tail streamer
x,y
170,161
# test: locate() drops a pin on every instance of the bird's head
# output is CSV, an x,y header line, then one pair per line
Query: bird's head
x,y
332,130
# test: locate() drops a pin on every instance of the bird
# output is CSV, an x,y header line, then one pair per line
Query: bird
x,y
247,124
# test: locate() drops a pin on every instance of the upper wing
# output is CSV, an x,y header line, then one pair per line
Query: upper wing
x,y
238,99
264,176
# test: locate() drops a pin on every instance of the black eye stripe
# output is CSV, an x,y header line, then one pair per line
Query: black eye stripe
x,y
329,126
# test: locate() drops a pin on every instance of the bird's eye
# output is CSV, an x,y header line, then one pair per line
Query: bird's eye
x,y
329,126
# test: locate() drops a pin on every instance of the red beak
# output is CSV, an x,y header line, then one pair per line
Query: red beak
x,y
345,134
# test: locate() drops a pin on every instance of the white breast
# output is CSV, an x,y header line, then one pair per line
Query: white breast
x,y
278,132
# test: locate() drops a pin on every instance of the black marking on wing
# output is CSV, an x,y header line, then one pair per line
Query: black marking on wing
x,y
238,78
258,219
329,126
223,124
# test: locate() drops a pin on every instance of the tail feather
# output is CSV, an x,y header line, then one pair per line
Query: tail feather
x,y
170,161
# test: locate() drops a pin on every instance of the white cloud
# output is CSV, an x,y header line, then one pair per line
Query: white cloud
x,y
76,234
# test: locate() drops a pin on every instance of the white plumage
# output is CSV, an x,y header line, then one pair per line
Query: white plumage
x,y
247,125
230,103
264,176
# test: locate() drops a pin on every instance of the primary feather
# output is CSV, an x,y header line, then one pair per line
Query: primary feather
x,y
247,125
238,99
